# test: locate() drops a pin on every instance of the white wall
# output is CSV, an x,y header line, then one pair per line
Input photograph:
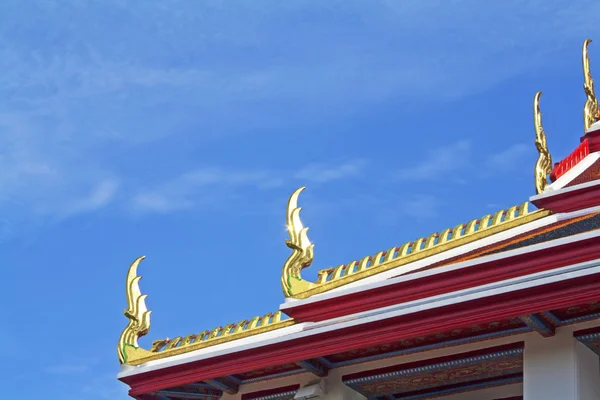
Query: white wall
x,y
588,373
560,367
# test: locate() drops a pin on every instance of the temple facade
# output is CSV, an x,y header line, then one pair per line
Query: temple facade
x,y
504,307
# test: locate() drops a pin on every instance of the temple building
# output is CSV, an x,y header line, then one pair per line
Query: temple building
x,y
504,307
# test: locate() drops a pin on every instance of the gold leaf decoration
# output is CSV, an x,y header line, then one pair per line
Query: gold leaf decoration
x,y
591,113
302,250
169,347
543,165
136,312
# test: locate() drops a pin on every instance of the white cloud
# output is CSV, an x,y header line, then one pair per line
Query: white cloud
x,y
422,206
509,158
412,207
40,177
159,203
388,209
223,177
445,163
438,163
200,187
100,196
321,173
382,48
78,98
213,185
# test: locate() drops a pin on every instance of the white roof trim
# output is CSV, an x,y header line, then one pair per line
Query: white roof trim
x,y
565,190
435,271
571,174
457,251
365,283
309,328
595,127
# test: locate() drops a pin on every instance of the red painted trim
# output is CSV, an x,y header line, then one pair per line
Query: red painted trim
x,y
432,361
562,167
593,139
527,301
571,200
263,393
445,282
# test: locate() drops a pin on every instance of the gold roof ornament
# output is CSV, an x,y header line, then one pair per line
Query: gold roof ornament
x,y
543,165
590,110
294,286
130,353
302,256
222,334
138,314
302,251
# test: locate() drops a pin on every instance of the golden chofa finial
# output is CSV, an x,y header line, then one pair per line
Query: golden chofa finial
x,y
302,250
138,314
543,165
590,110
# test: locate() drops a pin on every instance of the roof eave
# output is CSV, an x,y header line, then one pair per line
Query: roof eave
x,y
442,292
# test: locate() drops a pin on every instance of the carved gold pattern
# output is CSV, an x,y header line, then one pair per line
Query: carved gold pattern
x,y
543,165
302,256
590,110
169,347
138,314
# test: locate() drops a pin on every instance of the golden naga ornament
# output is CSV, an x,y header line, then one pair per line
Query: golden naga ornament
x,y
138,314
302,251
543,165
591,113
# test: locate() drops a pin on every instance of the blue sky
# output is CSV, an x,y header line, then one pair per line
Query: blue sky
x,y
177,130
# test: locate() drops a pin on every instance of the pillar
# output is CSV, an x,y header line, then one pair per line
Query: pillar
x,y
559,367
337,390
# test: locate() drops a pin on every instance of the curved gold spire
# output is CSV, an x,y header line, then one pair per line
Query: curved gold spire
x,y
138,314
302,250
543,165
590,109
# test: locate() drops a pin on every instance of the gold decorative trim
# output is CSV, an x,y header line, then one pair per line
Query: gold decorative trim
x,y
130,353
591,113
294,286
170,347
139,317
543,165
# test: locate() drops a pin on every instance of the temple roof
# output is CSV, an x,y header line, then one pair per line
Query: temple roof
x,y
568,205
415,250
398,260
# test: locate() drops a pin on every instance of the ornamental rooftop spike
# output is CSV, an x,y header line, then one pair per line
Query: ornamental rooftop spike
x,y
543,166
591,113
294,286
302,250
136,312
